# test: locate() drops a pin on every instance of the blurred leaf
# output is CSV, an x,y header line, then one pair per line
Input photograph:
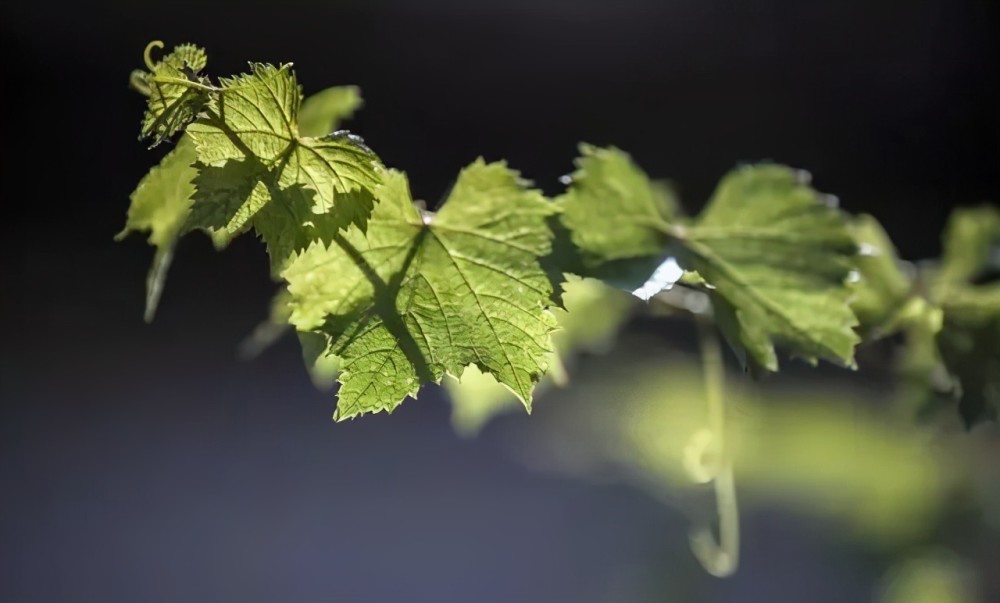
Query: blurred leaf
x,y
969,344
883,287
969,338
160,205
322,112
935,577
970,244
819,450
323,368
476,399
269,331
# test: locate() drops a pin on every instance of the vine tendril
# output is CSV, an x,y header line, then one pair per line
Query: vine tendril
x,y
719,557
147,55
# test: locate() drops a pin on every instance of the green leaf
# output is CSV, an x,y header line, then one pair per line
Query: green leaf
x,y
969,338
258,170
162,199
773,255
971,241
227,197
593,315
779,257
323,367
883,288
613,210
476,399
420,294
160,205
172,104
969,345
322,112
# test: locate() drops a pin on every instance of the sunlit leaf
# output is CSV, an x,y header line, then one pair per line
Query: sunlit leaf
x,y
419,295
172,103
774,255
589,323
254,157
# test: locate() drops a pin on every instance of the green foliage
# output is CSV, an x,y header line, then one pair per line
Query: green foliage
x,y
422,294
258,170
817,447
159,205
773,255
778,257
589,323
389,297
949,311
969,339
883,286
936,576
322,112
173,101
613,210
184,193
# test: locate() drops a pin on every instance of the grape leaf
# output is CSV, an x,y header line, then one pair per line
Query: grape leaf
x,y
971,245
172,104
613,210
779,258
419,295
773,255
160,205
322,112
969,345
254,159
950,321
969,338
590,321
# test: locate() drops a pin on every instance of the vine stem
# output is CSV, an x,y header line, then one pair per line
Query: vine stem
x,y
164,79
718,557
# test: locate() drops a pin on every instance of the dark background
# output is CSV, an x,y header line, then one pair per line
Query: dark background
x,y
146,463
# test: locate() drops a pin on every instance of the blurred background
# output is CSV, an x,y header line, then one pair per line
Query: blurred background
x,y
149,463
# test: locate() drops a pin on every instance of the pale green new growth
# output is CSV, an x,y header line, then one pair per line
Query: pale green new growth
x,y
254,160
173,104
774,257
162,201
420,295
